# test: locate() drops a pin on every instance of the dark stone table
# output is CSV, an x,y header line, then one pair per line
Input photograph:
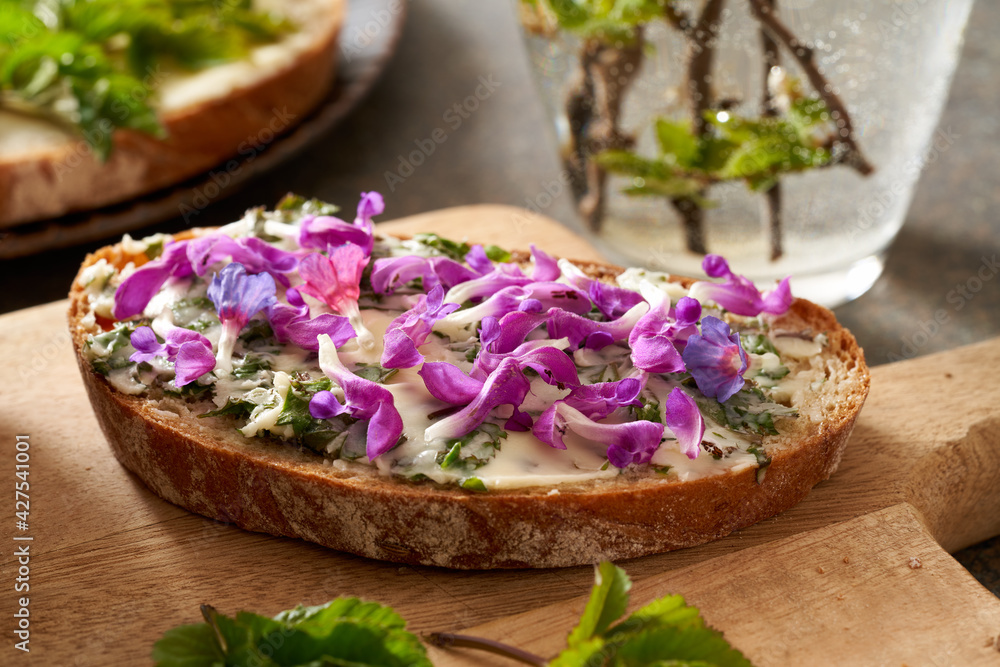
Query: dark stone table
x,y
500,153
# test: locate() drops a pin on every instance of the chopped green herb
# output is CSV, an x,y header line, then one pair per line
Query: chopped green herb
x,y
763,461
375,373
235,408
755,343
447,247
497,254
473,484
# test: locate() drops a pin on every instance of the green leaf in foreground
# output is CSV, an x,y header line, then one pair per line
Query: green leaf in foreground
x,y
664,632
345,631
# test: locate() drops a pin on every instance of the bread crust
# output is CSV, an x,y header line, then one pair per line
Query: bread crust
x,y
264,487
53,181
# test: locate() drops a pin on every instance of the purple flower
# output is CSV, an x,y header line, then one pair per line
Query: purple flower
x,y
291,324
658,335
501,336
738,294
410,330
546,268
628,442
336,280
585,332
189,350
238,297
133,295
328,231
447,382
390,272
593,402
685,421
255,255
542,356
502,276
478,261
507,385
715,360
363,399
611,300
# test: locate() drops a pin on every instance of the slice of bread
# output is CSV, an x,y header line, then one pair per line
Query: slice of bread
x,y
225,112
261,484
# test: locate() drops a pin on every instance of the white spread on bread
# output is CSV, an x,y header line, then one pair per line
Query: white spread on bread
x,y
268,375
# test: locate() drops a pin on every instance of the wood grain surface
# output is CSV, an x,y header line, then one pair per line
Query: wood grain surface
x,y
113,566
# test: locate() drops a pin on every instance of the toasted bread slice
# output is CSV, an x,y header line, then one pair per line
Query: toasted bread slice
x,y
260,484
228,111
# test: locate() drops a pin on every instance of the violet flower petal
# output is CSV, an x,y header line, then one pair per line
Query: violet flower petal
x,y
238,296
546,268
583,331
628,442
324,405
611,300
135,292
592,402
335,280
194,359
447,382
410,330
684,419
716,360
388,273
364,399
326,231
552,364
738,294
146,346
505,386
478,261
513,328
255,255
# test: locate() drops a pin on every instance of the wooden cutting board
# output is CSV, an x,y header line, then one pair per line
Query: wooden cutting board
x,y
858,574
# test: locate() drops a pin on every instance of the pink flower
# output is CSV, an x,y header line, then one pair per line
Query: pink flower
x,y
336,281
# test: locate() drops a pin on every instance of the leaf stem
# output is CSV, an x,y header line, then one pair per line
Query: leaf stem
x,y
701,56
449,640
805,57
772,59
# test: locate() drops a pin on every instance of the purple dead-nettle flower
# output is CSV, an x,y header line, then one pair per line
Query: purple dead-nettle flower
x,y
611,300
449,383
546,269
135,292
738,294
531,298
660,335
388,273
410,330
291,323
585,332
545,357
684,420
255,255
503,335
328,231
507,385
336,281
478,261
628,442
716,360
363,399
237,297
189,350
501,277
592,401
